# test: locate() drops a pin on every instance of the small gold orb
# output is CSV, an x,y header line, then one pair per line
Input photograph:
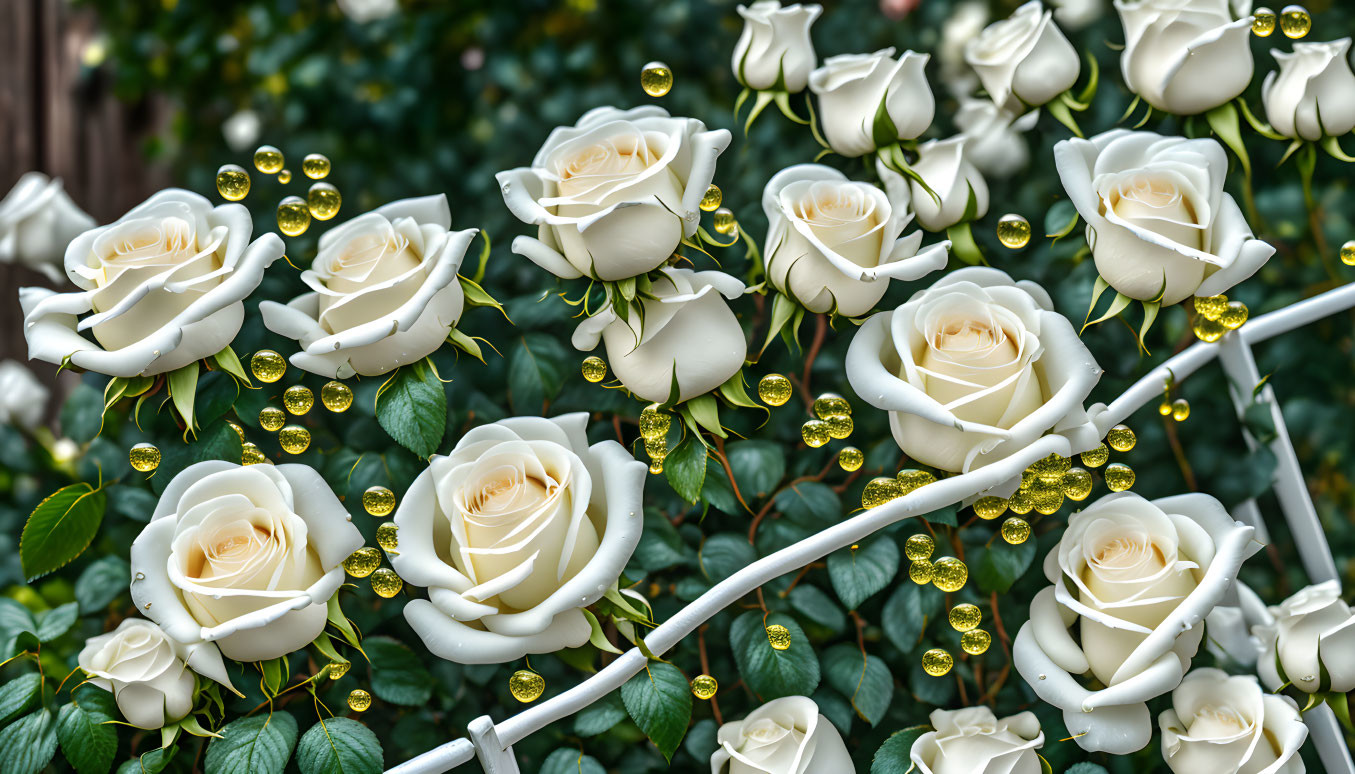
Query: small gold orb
x,y
774,389
850,459
294,439
937,662
362,562
526,686
272,418
144,457
267,366
336,396
975,642
359,700
1015,530
298,399
386,583
1120,438
704,687
378,501
964,617
778,636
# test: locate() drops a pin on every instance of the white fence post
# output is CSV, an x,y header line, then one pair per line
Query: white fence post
x,y
494,757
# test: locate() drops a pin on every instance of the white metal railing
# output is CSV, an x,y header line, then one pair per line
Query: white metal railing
x,y
492,742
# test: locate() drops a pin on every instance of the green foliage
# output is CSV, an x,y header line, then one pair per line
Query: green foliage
x,y
660,703
412,407
261,743
768,672
88,739
339,746
60,528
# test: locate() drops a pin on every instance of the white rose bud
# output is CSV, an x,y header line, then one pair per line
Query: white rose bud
x,y
166,283
953,178
993,141
834,244
37,221
774,51
973,368
246,557
687,333
384,291
515,531
1158,220
23,399
1310,96
1311,638
1024,60
614,195
974,741
783,736
872,100
1184,56
1132,583
148,673
1227,724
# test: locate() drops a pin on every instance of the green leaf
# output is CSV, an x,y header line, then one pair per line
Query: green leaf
x,y
102,582
217,392
536,372
963,246
571,760
412,408
57,621
1061,112
860,573
660,702
758,466
1003,564
768,672
183,388
685,468
862,678
810,504
229,362
150,762
600,716
87,739
812,603
1224,121
1060,219
724,554
660,545
893,755
397,675
18,694
60,529
906,615
83,414
339,746
217,441
262,744
28,744
706,412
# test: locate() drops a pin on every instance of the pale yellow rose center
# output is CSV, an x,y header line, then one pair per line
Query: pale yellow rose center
x,y
370,259
766,732
844,218
1214,722
1156,203
225,551
508,491
620,156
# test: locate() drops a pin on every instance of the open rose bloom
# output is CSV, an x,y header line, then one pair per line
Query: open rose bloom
x,y
974,741
1228,724
783,736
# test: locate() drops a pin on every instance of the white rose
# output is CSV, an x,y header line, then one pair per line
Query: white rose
x,y
515,531
774,51
23,399
615,194
872,100
953,178
1184,56
1076,14
1133,580
166,283
1312,638
1228,725
1158,219
783,736
246,557
974,368
37,220
384,291
148,673
687,328
1310,96
1024,60
974,741
834,243
993,141
963,23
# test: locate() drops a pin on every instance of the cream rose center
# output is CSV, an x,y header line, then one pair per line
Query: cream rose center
x,y
1214,722
369,259
972,361
1159,204
619,157
843,217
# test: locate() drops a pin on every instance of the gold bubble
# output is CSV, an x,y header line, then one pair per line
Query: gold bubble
x,y
1119,477
232,182
1021,502
386,583
949,573
323,200
1295,21
975,642
337,669
315,166
829,405
921,571
1047,498
294,217
1164,408
298,399
839,427
251,455
778,636
850,459
919,547
336,396
362,562
388,536
879,491
1077,484
1234,315
704,687
359,700
1120,438
654,423
656,448
656,467
1015,530
656,79
724,221
964,617
378,501
1051,468
910,480
1207,330
294,439
284,176
1263,23
1180,409
989,508
774,389
1097,457
272,418
710,200
1013,231
526,686
267,366
1210,307
815,433
594,369
144,457
937,662
268,159
1348,253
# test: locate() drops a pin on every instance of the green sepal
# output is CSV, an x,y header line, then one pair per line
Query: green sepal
x,y
1224,122
183,387
1332,145
764,98
478,296
229,362
1261,127
1061,110
596,637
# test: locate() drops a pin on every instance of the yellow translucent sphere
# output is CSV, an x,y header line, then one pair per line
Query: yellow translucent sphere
x,y
144,457
949,574
910,480
710,200
1295,21
1015,530
1234,315
1021,502
594,369
654,423
964,617
1264,22
815,433
388,536
378,501
921,571
362,562
386,583
1210,307
704,687
1119,477
879,491
272,418
656,79
1097,457
1207,330
975,642
774,389
251,455
337,669
839,427
336,396
778,637
919,547
232,182
1164,408
1348,253
294,439
267,366
284,176
315,166
850,459
1051,468
724,221
830,404
526,686
937,662
989,508
268,159
1180,409
1077,484
298,399
323,200
359,700
1120,438
294,216
1013,231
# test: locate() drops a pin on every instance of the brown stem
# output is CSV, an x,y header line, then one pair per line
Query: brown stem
x,y
1179,452
719,452
1001,630
798,577
705,670
820,331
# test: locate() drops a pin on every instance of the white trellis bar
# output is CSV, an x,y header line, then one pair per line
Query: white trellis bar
x,y
492,743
